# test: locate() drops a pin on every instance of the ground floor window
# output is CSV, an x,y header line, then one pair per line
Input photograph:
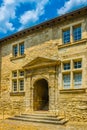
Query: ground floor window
x,y
21,85
66,81
14,85
77,80
18,81
71,73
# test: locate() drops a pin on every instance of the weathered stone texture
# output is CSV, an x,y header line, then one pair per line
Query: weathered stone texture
x,y
45,43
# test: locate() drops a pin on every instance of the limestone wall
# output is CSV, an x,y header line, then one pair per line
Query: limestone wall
x,y
74,105
45,43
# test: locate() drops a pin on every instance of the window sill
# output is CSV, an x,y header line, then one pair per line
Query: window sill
x,y
17,93
73,43
79,90
66,71
18,57
77,70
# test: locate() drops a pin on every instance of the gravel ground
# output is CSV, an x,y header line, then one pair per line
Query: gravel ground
x,y
19,125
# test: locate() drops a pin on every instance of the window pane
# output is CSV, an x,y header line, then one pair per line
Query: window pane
x,y
14,74
66,81
21,49
78,80
77,33
66,66
15,50
77,64
66,36
21,73
21,84
14,84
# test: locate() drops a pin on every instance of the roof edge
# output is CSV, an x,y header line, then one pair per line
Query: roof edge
x,y
44,24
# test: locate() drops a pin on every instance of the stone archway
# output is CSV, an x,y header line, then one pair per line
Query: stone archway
x,y
41,95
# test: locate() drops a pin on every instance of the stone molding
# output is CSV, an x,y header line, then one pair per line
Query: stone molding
x,y
80,90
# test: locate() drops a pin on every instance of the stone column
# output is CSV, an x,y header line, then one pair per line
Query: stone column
x,y
29,93
52,93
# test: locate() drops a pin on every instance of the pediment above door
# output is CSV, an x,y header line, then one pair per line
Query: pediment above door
x,y
41,62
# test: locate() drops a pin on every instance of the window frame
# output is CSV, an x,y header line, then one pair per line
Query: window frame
x,y
18,78
66,36
13,50
18,49
21,49
76,82
21,86
71,71
77,66
13,85
65,67
67,83
76,34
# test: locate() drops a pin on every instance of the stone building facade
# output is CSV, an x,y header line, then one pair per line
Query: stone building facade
x,y
44,68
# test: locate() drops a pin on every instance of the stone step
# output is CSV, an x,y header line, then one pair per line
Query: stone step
x,y
60,122
40,117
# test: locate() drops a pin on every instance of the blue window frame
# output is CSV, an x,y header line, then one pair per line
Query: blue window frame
x,y
15,50
21,47
66,36
77,33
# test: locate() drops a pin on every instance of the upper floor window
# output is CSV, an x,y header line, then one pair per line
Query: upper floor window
x,y
15,50
18,49
66,66
21,49
77,64
66,36
77,33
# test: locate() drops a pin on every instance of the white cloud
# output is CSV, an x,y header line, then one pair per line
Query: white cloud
x,y
32,16
8,13
71,4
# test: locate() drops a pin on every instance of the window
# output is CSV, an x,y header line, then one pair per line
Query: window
x,y
72,76
21,73
66,36
66,81
18,49
21,48
66,66
14,85
77,64
18,81
15,50
77,80
77,33
21,85
14,74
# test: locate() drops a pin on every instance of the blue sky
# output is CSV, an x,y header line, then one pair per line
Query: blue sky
x,y
15,15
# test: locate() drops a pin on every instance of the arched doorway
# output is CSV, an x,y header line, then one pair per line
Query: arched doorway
x,y
40,95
